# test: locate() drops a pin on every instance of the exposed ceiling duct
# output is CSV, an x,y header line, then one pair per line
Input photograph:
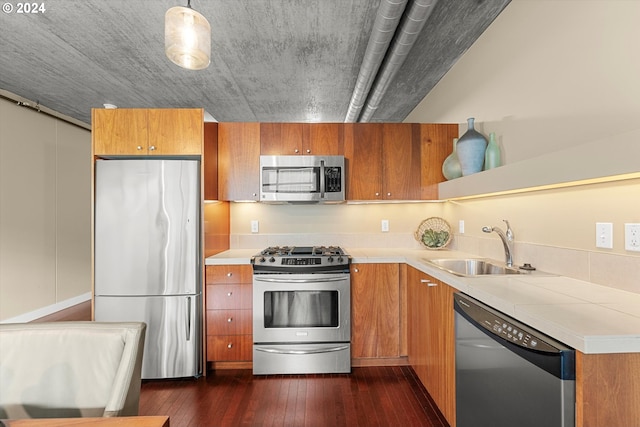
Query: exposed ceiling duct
x,y
416,16
384,28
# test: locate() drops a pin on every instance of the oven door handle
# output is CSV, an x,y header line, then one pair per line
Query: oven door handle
x,y
311,351
318,280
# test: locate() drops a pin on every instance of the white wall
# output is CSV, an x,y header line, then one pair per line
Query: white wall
x,y
45,212
544,76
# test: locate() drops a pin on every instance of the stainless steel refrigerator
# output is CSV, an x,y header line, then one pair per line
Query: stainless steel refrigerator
x,y
147,258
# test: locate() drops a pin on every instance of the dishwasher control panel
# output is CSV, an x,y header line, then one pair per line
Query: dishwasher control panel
x,y
509,330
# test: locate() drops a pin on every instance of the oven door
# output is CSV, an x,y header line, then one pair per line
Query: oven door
x,y
301,308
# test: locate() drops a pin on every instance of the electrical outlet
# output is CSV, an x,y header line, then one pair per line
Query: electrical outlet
x,y
254,226
604,235
384,225
461,226
632,237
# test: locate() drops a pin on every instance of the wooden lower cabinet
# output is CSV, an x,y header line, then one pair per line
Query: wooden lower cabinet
x,y
607,390
229,314
375,311
431,338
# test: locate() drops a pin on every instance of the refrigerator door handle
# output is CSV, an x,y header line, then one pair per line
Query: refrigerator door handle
x,y
188,318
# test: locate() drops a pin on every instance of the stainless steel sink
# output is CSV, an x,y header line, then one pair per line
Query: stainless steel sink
x,y
473,267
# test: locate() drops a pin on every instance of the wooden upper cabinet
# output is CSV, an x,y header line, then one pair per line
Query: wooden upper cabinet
x,y
147,131
301,138
280,138
436,143
383,161
176,131
323,139
238,161
401,161
363,154
119,131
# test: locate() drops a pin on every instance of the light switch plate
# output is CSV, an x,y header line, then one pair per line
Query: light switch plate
x,y
632,237
254,226
604,235
461,226
384,225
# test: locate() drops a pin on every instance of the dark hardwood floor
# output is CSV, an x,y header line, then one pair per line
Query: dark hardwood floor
x,y
369,396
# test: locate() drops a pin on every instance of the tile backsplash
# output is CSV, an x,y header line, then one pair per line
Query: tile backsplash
x,y
613,270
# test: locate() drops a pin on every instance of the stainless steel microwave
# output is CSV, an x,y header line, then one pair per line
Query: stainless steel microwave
x,y
302,179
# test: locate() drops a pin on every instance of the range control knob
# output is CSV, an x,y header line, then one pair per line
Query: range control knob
x,y
340,259
262,259
330,259
272,259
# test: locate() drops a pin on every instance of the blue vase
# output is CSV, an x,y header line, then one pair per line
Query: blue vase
x,y
451,166
492,154
471,149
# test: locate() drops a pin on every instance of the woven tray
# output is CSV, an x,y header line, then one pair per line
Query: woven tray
x,y
433,233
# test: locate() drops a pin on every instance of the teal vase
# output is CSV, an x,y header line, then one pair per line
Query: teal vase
x,y
471,148
492,153
451,166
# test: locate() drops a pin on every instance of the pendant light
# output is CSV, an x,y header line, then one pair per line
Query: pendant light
x,y
187,38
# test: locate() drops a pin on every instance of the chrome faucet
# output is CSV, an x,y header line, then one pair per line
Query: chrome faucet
x,y
507,241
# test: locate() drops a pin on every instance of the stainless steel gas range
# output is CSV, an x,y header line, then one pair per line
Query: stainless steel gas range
x,y
301,310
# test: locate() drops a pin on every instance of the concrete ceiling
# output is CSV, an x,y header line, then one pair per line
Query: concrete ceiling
x,y
271,60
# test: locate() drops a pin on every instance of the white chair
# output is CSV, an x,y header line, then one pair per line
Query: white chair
x,y
70,369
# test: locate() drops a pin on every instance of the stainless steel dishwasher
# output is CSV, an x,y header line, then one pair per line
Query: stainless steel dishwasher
x,y
508,374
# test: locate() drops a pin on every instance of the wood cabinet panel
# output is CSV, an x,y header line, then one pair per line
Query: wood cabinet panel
x,y
323,139
229,296
229,314
431,338
210,161
281,138
436,143
121,131
363,153
400,161
230,322
607,389
375,310
175,131
147,131
225,274
229,347
238,161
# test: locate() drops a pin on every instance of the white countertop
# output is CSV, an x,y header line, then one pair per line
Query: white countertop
x,y
588,317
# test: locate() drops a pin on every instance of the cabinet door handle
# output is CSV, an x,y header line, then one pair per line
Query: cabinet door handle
x,y
229,274
308,151
229,294
388,194
139,148
377,194
425,281
355,270
296,150
230,319
230,345
153,147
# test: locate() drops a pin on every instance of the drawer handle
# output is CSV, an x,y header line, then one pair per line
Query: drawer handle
x,y
230,319
425,281
230,345
229,294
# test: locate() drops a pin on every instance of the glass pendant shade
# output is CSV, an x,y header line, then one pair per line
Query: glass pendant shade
x,y
187,38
